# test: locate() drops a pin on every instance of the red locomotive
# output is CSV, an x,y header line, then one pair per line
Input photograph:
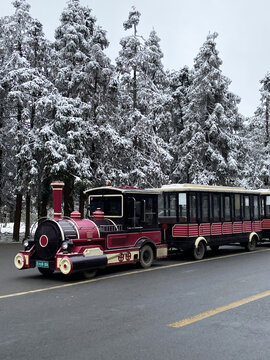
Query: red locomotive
x,y
121,228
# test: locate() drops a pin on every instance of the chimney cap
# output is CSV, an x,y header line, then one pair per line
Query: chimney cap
x,y
57,183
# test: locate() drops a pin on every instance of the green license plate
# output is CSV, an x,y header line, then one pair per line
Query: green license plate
x,y
42,264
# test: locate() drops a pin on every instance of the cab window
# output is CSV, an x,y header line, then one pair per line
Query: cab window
x,y
111,205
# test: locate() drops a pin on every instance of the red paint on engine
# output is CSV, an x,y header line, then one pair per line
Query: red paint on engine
x,y
87,229
57,198
98,215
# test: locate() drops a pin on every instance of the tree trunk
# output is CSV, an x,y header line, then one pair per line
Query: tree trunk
x,y
266,123
27,215
81,204
68,197
43,198
17,217
135,87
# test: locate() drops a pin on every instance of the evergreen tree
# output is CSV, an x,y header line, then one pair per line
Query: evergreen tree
x,y
23,83
142,112
178,83
257,135
208,148
84,72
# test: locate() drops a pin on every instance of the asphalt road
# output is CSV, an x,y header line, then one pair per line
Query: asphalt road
x,y
126,313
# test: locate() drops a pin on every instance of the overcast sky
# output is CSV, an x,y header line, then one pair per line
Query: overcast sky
x,y
182,25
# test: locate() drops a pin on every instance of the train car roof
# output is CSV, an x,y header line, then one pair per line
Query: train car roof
x,y
264,191
122,190
206,188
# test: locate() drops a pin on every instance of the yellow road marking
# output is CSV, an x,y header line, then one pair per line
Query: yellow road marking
x,y
219,310
126,274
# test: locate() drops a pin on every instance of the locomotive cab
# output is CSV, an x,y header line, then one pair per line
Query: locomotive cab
x,y
127,209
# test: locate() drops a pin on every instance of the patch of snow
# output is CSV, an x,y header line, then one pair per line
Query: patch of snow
x,y
6,231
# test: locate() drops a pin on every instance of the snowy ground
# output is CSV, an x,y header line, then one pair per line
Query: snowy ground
x,y
6,231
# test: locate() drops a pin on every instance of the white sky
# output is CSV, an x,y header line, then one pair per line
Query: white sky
x,y
182,25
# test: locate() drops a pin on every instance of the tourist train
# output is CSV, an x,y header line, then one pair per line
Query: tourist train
x,y
125,225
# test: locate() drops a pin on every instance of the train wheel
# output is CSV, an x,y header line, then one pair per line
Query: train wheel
x,y
89,274
199,251
146,256
251,245
46,272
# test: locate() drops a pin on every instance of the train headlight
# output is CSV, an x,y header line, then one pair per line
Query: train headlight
x,y
65,245
26,243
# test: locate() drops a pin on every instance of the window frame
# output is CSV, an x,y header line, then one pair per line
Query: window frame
x,y
196,218
240,217
227,195
201,207
213,218
244,207
178,210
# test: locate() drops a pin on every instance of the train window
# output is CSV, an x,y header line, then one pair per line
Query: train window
x,y
237,207
134,212
170,205
246,208
205,207
149,211
262,207
227,207
160,205
110,204
192,208
182,203
256,211
216,207
267,207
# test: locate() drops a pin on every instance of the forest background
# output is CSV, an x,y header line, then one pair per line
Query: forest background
x,y
67,113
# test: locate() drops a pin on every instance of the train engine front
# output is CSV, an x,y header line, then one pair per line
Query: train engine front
x,y
63,244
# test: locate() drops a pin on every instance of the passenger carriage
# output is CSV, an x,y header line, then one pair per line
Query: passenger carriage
x,y
193,217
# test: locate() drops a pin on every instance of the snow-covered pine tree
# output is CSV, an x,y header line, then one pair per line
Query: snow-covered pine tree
x,y
178,83
257,134
208,148
59,145
23,83
84,73
142,110
253,166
